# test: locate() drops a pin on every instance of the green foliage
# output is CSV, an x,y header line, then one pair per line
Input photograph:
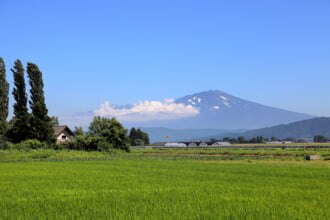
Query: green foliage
x,y
257,140
138,137
41,124
111,130
90,143
29,144
241,139
320,139
20,124
54,121
78,131
4,99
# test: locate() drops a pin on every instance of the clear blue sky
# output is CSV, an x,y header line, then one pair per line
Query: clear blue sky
x,y
272,52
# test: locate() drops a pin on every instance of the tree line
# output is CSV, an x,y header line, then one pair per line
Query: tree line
x,y
261,139
31,123
25,124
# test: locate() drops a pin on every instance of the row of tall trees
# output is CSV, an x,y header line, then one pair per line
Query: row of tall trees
x,y
138,137
24,124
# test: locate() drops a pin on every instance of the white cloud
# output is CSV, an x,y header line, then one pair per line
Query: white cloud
x,y
148,111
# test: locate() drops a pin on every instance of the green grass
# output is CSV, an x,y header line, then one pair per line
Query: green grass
x,y
135,186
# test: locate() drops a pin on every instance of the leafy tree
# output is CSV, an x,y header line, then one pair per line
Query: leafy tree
x,y
138,137
143,136
20,129
90,143
78,131
320,139
41,124
4,93
132,136
54,120
111,130
241,140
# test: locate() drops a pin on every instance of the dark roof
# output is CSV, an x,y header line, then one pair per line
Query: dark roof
x,y
60,128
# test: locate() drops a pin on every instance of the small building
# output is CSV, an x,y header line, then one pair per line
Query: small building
x,y
175,145
63,134
221,144
192,144
203,144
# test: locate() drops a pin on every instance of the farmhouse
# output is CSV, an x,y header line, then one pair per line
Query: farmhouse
x,y
63,134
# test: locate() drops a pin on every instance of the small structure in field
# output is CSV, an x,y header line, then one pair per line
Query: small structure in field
x,y
159,144
203,144
221,144
192,144
63,134
175,145
313,157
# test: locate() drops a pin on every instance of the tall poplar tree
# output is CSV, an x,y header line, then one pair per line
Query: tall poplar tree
x,y
41,124
4,93
20,123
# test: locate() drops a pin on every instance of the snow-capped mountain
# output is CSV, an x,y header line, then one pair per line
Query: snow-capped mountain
x,y
218,109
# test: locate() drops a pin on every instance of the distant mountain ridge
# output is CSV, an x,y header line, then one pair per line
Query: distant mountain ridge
x,y
301,129
159,134
218,109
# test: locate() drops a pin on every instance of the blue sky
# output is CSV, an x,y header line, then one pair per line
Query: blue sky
x,y
272,52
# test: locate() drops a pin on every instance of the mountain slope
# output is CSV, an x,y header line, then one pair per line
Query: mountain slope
x,y
159,134
221,110
302,129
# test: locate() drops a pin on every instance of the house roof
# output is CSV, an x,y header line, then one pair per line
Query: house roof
x,y
60,128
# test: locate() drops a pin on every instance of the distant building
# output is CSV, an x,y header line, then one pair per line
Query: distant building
x,y
192,144
175,145
203,144
221,144
63,134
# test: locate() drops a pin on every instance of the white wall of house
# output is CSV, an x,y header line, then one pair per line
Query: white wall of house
x,y
64,137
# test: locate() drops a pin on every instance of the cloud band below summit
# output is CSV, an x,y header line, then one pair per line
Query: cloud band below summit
x,y
148,111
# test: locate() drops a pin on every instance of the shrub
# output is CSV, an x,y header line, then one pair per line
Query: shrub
x,y
30,144
3,145
89,143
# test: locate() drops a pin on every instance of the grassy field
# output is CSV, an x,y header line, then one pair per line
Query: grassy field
x,y
140,185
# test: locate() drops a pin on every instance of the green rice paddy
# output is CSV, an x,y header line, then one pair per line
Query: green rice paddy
x,y
137,185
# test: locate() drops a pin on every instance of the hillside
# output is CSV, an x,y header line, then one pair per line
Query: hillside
x,y
301,129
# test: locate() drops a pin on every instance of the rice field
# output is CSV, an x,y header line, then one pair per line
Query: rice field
x,y
138,186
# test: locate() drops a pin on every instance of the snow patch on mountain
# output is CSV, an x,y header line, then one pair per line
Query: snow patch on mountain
x,y
223,98
227,104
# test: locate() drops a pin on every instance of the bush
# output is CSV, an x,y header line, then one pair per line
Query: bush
x,y
3,145
110,131
30,144
89,143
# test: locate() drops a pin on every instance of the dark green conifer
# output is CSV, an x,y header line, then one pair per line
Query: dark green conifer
x,y
41,123
4,93
20,128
